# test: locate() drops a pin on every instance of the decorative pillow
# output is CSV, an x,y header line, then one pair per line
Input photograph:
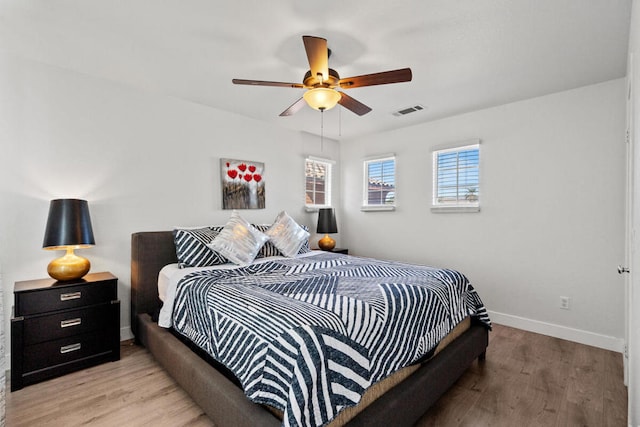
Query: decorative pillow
x,y
287,235
305,246
269,249
191,247
239,241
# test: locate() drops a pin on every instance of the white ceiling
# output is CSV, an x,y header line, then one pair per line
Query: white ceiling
x,y
465,54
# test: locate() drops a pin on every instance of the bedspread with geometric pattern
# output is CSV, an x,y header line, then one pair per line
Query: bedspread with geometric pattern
x,y
309,335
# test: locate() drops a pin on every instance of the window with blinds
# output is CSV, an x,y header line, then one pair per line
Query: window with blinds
x,y
379,183
456,178
317,183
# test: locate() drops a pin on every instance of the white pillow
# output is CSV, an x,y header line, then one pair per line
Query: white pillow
x,y
238,241
287,235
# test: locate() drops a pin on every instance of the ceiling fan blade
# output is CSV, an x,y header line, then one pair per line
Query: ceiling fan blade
x,y
382,78
318,56
351,104
294,108
265,83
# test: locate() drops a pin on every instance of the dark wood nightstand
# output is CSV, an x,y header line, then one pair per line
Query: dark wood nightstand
x,y
61,327
344,251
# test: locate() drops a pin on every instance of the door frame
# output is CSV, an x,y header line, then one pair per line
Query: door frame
x,y
632,250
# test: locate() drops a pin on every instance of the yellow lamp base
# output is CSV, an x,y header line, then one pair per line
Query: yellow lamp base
x,y
68,267
326,243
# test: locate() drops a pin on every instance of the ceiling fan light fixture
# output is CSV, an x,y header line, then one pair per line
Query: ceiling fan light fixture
x,y
322,98
321,81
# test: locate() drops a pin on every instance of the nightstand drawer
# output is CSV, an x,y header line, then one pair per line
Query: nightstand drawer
x,y
64,297
65,350
66,323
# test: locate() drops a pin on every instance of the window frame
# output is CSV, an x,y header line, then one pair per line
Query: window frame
x,y
328,182
366,206
458,205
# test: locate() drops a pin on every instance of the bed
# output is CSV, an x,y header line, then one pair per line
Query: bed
x,y
218,393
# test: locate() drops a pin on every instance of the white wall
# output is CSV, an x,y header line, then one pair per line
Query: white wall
x,y
147,162
144,162
552,210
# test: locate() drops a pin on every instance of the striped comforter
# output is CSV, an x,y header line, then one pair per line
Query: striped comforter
x,y
309,335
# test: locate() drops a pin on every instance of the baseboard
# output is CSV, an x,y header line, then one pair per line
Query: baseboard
x,y
563,332
126,334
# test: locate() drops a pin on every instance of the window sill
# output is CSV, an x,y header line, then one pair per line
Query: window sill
x,y
382,208
455,209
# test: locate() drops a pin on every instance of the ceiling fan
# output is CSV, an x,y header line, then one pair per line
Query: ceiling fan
x,y
321,81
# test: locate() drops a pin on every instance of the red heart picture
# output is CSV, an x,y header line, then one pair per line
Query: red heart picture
x,y
257,177
252,168
242,167
248,177
232,173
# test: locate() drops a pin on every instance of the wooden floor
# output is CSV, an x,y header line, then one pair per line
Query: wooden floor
x,y
535,380
526,380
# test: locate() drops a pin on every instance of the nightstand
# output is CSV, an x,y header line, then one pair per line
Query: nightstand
x,y
344,251
61,327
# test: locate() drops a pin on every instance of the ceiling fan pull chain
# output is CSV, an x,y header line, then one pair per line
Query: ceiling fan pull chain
x,y
322,130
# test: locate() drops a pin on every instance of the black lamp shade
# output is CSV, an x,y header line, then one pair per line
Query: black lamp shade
x,y
327,221
69,224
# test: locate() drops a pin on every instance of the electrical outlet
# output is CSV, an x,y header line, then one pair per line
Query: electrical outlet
x,y
564,303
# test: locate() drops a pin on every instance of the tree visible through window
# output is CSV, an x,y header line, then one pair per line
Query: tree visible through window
x,y
318,182
456,177
380,182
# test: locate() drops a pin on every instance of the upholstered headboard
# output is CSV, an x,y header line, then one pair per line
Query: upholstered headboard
x,y
150,251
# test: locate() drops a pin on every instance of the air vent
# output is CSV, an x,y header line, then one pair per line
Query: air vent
x,y
408,110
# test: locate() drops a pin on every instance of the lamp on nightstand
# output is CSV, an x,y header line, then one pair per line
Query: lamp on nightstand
x,y
327,224
68,228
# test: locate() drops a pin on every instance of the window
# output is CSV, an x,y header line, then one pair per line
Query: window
x,y
380,183
317,182
456,178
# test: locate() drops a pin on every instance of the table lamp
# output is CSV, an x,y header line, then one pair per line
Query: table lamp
x,y
68,228
327,224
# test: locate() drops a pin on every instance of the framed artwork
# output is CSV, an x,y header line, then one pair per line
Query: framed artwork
x,y
242,184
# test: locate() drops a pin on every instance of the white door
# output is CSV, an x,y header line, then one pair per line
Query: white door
x,y
632,365
628,239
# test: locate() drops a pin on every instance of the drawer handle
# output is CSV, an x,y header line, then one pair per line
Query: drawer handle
x,y
70,296
71,322
69,348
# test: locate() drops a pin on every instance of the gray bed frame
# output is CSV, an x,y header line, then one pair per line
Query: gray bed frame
x,y
225,403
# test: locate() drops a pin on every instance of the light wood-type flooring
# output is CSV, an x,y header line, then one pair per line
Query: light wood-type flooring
x,y
526,380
